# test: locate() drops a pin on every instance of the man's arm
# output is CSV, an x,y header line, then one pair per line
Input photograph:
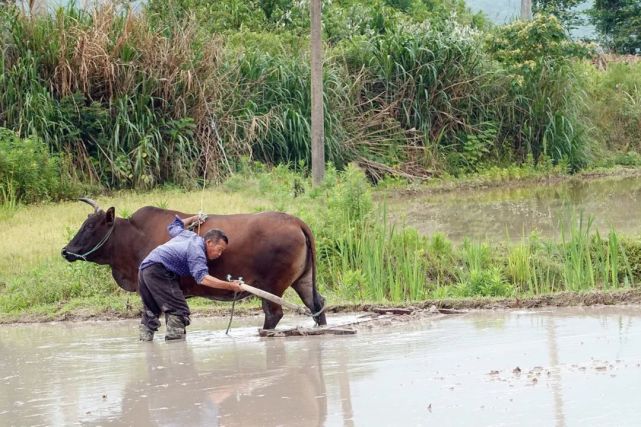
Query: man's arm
x,y
176,227
179,225
198,268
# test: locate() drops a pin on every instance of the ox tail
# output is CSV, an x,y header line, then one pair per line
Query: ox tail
x,y
319,301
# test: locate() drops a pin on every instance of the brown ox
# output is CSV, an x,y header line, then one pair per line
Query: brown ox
x,y
269,250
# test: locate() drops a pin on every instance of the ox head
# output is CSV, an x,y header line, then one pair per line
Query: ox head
x,y
93,234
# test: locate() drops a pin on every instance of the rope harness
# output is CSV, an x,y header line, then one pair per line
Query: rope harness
x,y
98,246
202,218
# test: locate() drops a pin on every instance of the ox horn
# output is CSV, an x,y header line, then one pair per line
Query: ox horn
x,y
90,202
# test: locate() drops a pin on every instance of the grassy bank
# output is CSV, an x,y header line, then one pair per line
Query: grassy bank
x,y
504,177
362,257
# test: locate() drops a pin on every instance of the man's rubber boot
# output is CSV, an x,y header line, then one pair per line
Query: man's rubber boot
x,y
175,328
146,334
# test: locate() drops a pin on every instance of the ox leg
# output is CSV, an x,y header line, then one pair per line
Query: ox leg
x,y
273,314
311,298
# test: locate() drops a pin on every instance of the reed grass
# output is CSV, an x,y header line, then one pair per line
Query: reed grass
x,y
138,99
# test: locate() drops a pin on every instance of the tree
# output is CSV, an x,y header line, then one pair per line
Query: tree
x,y
618,22
565,10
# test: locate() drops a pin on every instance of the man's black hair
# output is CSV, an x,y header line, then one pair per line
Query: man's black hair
x,y
215,235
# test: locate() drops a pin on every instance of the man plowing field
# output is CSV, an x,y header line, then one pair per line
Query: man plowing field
x,y
270,250
186,254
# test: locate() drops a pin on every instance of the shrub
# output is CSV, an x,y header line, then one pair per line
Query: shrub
x,y
28,173
545,89
485,283
615,100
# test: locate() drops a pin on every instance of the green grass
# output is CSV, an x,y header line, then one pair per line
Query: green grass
x,y
370,258
362,256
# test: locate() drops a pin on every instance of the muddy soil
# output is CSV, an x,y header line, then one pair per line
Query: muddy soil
x,y
513,211
481,184
565,299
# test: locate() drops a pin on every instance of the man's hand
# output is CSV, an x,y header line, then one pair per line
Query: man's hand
x,y
215,283
194,221
235,285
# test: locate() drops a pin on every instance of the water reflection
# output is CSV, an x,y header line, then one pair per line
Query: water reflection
x,y
178,389
511,213
164,394
456,370
292,378
557,389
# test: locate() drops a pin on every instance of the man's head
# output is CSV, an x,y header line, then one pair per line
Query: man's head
x,y
215,243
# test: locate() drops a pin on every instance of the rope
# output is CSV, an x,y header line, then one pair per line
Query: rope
x,y
319,312
202,191
98,246
231,316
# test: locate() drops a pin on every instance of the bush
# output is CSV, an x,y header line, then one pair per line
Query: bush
x,y
408,86
485,283
133,109
422,87
545,89
28,173
615,100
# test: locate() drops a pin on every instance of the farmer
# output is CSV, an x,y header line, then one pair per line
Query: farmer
x,y
186,254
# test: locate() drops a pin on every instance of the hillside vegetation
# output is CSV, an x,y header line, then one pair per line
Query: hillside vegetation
x,y
185,90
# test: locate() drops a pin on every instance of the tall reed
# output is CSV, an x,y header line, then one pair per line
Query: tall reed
x,y
139,99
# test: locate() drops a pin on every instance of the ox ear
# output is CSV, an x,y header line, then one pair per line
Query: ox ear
x,y
110,215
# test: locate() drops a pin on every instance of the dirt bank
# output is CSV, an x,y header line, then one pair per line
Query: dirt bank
x,y
565,299
477,183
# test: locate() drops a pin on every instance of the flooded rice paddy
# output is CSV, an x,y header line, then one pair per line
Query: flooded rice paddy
x,y
508,368
508,214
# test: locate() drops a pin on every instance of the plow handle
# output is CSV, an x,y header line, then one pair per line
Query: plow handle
x,y
273,298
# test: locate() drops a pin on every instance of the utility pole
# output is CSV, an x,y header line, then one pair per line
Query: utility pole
x,y
33,7
318,130
526,10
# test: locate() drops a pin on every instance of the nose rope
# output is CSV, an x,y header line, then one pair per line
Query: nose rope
x,y
98,246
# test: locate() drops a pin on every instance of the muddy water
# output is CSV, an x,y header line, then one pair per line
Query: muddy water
x,y
510,213
577,367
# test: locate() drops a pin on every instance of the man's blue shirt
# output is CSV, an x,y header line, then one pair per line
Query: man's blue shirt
x,y
183,255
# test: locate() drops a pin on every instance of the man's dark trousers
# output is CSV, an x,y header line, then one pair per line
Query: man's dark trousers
x,y
160,292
